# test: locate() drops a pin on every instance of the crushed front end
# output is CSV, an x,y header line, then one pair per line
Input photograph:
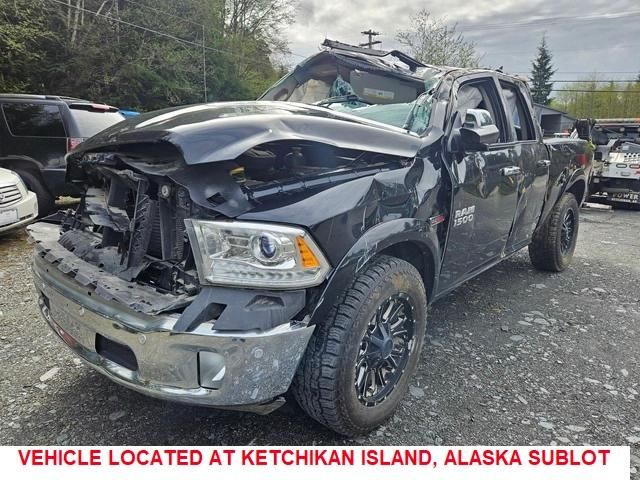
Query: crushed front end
x,y
118,282
189,270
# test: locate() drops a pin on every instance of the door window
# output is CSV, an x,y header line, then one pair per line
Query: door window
x,y
34,120
517,114
480,95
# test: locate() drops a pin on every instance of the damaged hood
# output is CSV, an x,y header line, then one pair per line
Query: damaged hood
x,y
222,131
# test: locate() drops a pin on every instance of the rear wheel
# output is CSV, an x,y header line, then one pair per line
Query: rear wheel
x,y
46,202
554,242
359,362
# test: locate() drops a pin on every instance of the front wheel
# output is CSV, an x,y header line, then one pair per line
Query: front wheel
x,y
554,242
360,360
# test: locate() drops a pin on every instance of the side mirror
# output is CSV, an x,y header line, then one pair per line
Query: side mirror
x,y
478,130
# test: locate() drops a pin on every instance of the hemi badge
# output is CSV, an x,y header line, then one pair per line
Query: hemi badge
x,y
433,221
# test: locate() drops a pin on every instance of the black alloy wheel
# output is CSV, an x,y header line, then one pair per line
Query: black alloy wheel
x,y
567,231
384,350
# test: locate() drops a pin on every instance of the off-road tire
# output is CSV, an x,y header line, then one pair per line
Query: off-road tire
x,y
46,202
545,249
324,385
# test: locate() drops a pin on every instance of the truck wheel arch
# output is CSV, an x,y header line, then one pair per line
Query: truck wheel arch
x,y
579,189
418,255
409,239
576,185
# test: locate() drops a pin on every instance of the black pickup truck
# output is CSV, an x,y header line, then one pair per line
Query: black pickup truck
x,y
226,254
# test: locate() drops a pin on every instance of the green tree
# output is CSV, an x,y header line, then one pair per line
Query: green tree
x,y
541,73
434,42
595,99
91,49
25,42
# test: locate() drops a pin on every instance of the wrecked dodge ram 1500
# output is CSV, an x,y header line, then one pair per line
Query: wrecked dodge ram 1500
x,y
225,254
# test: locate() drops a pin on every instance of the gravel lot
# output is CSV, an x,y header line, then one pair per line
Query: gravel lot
x,y
514,357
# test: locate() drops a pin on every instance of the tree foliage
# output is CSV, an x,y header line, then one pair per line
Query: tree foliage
x,y
91,49
541,73
432,41
593,99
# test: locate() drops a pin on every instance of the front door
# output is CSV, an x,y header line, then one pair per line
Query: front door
x,y
533,161
485,191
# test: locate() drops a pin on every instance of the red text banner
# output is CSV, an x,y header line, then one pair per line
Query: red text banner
x,y
311,463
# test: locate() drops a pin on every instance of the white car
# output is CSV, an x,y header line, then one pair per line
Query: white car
x,y
18,206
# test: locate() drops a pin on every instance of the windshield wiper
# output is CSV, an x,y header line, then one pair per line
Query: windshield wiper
x,y
342,99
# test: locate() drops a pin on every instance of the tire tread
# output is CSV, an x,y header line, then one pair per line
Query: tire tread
x,y
543,250
315,379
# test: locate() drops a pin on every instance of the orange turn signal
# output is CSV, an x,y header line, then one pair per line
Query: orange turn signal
x,y
309,260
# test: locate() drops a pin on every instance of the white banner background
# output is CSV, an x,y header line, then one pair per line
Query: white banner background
x,y
11,459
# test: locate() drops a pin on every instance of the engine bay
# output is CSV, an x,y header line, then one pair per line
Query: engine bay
x,y
130,219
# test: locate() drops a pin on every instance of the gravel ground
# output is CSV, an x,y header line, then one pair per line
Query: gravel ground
x,y
515,356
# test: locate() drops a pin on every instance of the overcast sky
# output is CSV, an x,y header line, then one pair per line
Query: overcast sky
x,y
599,43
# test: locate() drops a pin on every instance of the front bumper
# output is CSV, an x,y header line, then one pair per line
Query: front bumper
x,y
26,212
145,353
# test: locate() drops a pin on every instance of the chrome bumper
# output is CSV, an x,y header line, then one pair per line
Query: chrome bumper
x,y
203,367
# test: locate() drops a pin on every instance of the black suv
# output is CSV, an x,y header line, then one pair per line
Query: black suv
x,y
37,131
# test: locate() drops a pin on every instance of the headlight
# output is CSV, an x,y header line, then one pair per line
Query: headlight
x,y
259,255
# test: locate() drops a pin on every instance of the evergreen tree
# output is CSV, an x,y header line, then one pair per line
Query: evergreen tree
x,y
541,73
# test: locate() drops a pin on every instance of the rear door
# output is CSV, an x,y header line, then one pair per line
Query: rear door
x,y
485,190
533,160
35,130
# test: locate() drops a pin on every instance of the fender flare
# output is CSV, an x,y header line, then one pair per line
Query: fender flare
x,y
575,176
372,243
578,175
19,160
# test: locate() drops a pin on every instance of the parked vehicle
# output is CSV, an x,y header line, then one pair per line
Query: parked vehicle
x,y
129,113
18,206
616,172
223,254
37,131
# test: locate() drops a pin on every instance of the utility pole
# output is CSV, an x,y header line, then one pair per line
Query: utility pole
x,y
204,65
370,33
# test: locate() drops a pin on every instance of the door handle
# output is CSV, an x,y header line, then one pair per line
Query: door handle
x,y
544,163
510,171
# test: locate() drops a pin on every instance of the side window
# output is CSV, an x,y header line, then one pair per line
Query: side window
x,y
481,95
34,120
518,114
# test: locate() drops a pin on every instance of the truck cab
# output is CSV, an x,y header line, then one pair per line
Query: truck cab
x,y
225,254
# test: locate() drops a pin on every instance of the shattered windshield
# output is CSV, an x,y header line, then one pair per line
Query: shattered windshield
x,y
413,116
395,97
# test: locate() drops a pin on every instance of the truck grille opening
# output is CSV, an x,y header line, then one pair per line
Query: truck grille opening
x,y
116,352
132,225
